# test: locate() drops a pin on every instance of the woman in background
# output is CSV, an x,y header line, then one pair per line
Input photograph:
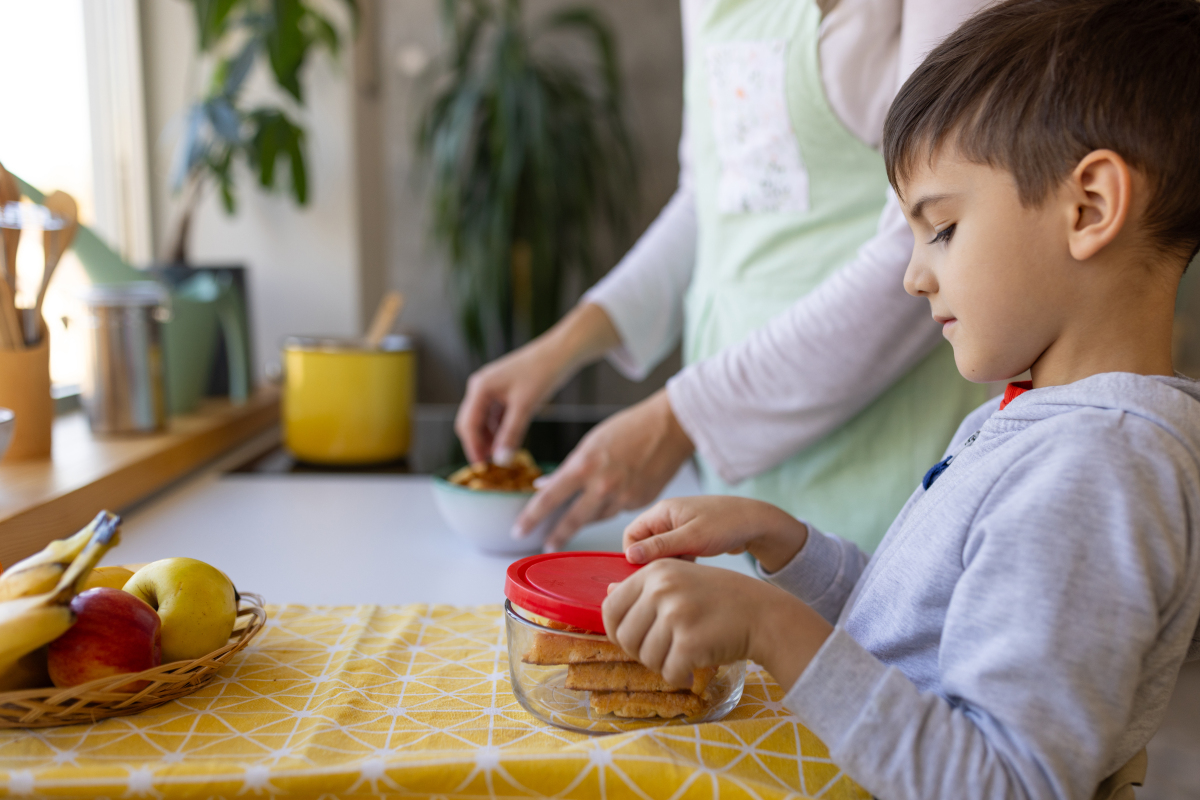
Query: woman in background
x,y
812,380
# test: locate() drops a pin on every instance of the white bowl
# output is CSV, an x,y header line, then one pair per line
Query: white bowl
x,y
485,519
7,423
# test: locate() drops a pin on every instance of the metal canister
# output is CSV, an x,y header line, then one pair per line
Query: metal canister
x,y
345,403
123,388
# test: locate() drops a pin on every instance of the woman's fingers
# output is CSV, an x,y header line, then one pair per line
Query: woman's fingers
x,y
591,506
511,431
471,424
554,490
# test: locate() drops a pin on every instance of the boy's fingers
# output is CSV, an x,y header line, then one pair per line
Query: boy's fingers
x,y
655,646
651,522
677,670
621,596
681,542
635,624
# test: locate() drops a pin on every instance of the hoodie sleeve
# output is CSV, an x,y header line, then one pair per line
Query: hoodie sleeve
x,y
822,574
1075,571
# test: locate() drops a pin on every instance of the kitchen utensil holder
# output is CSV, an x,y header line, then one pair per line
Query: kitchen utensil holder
x,y
25,388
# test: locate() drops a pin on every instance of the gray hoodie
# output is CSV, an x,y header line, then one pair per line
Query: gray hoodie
x,y
1020,628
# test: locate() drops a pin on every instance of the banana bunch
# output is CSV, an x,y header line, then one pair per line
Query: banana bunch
x,y
41,612
41,572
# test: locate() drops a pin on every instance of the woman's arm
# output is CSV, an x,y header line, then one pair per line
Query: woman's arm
x,y
633,316
812,368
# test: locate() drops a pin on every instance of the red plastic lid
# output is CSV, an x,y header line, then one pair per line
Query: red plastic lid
x,y
567,587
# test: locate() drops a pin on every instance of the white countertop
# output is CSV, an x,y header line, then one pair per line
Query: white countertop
x,y
338,539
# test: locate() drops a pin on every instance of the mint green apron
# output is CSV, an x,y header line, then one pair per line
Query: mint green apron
x,y
786,195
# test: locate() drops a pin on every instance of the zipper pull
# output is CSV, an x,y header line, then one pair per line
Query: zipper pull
x,y
937,469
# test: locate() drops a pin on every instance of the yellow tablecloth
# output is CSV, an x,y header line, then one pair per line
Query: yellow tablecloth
x,y
373,701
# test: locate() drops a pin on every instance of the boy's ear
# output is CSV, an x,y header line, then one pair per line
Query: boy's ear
x,y
1100,190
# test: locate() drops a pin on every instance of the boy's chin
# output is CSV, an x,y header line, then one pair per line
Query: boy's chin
x,y
978,370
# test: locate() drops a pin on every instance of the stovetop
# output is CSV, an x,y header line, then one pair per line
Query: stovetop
x,y
552,435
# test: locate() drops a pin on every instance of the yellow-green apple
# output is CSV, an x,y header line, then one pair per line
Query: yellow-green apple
x,y
114,633
196,602
112,577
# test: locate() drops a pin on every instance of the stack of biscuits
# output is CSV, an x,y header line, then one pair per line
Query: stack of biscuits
x,y
618,684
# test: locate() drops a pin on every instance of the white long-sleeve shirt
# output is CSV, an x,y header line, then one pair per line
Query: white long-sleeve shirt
x,y
836,349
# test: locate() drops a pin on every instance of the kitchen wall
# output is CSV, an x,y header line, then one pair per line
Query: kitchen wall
x,y
391,88
304,262
322,269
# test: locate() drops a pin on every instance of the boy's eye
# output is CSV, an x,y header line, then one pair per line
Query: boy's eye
x,y
943,235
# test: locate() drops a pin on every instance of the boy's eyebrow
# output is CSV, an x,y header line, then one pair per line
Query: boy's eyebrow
x,y
918,208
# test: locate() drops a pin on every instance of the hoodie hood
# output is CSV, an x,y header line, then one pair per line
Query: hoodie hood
x,y
1170,402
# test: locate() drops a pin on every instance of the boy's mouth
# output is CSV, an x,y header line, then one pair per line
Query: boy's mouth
x,y
945,322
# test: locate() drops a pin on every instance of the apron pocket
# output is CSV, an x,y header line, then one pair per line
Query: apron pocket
x,y
761,166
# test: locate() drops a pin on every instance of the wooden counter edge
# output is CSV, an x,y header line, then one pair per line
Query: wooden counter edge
x,y
58,515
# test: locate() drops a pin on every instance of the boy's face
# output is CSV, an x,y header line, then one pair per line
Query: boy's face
x,y
988,265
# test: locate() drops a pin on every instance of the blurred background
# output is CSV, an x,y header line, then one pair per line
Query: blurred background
x,y
115,96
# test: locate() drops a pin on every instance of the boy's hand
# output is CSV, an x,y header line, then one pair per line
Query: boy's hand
x,y
688,527
677,617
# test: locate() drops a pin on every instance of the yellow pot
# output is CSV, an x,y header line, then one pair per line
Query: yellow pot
x,y
345,404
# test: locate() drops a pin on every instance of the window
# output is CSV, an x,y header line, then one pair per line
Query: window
x,y
74,120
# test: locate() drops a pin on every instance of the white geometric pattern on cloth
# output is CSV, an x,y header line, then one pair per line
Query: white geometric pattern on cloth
x,y
761,166
413,700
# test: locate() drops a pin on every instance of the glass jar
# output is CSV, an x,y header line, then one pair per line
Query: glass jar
x,y
535,638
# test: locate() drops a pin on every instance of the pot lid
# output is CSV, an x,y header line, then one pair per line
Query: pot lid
x,y
567,587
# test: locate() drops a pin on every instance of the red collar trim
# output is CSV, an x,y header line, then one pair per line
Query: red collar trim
x,y
1015,390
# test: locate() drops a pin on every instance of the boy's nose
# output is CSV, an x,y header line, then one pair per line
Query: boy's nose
x,y
918,278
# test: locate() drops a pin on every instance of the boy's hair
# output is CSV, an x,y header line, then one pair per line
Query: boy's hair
x,y
1033,86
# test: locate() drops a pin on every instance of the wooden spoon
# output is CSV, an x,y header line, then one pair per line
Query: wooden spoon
x,y
385,317
10,324
54,243
10,193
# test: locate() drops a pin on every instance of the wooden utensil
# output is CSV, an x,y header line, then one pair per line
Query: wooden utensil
x,y
10,193
385,317
54,244
10,324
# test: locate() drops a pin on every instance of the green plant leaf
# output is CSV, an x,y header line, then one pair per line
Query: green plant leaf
x,y
212,17
239,67
287,45
590,24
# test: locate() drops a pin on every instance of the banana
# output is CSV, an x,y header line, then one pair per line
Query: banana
x,y
41,572
27,623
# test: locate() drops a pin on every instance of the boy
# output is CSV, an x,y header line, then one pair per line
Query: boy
x,y
1020,629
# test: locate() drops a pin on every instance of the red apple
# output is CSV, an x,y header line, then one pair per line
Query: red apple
x,y
114,633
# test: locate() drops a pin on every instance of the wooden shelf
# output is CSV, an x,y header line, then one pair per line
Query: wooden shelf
x,y
49,499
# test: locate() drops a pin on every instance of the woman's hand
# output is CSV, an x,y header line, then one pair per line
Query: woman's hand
x,y
503,396
711,525
676,617
622,463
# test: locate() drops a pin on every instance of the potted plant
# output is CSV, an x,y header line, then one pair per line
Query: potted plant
x,y
529,157
219,127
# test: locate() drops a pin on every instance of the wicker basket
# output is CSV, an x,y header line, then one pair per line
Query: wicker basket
x,y
98,699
